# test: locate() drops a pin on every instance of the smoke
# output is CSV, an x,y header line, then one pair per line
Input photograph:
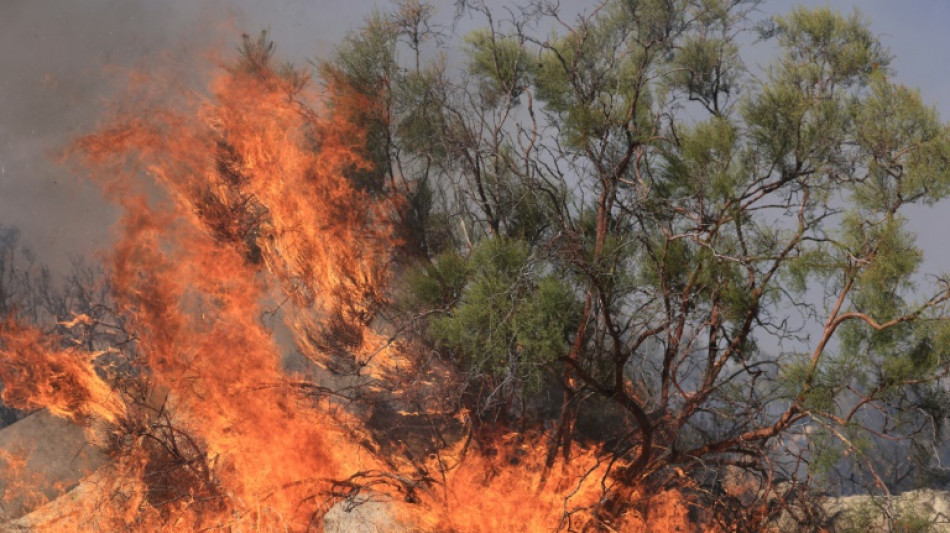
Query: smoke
x,y
196,305
231,197
62,63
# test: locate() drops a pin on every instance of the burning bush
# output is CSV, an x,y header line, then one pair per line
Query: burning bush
x,y
598,239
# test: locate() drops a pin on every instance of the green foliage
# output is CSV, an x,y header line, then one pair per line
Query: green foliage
x,y
869,516
703,166
402,113
438,284
597,94
728,253
803,115
889,258
367,58
511,319
418,107
705,69
500,63
820,45
906,148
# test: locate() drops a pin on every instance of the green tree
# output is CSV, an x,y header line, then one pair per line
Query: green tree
x,y
628,215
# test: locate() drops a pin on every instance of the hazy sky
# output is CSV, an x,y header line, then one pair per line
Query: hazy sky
x,y
55,60
54,85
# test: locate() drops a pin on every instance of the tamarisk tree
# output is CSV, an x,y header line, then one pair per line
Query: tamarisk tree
x,y
619,232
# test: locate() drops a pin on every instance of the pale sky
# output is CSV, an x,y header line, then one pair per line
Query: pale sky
x,y
917,32
54,86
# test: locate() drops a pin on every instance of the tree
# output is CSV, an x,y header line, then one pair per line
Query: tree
x,y
717,259
613,235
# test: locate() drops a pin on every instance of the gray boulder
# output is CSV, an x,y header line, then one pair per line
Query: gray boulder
x,y
41,458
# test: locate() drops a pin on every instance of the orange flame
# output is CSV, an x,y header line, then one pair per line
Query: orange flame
x,y
253,183
37,373
231,207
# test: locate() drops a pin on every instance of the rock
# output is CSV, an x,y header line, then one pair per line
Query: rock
x,y
366,512
923,510
41,458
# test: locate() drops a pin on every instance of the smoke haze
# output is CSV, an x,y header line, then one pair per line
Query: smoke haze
x,y
61,62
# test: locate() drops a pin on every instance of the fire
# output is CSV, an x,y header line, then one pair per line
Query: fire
x,y
249,199
61,380
510,490
236,207
225,211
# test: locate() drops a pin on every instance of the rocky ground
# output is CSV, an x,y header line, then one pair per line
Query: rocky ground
x,y
915,511
44,458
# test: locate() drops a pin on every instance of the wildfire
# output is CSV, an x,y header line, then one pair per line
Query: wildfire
x,y
60,380
234,206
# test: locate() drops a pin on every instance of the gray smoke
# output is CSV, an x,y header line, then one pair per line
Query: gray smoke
x,y
61,61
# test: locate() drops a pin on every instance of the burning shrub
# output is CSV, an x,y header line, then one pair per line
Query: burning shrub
x,y
572,235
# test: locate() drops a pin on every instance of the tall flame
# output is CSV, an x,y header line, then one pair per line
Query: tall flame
x,y
232,207
242,188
